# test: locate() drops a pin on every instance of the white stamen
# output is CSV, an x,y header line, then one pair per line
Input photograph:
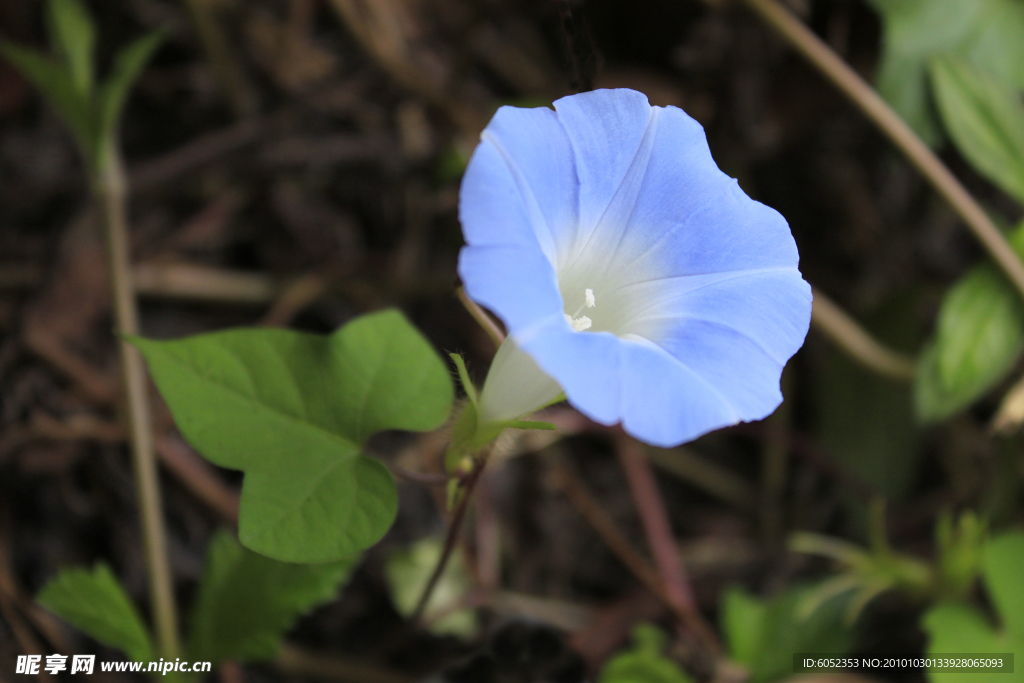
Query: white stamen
x,y
579,324
582,322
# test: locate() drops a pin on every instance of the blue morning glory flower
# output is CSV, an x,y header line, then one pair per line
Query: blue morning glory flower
x,y
630,272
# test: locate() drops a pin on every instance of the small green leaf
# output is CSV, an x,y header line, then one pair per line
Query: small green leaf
x,y
407,572
1002,569
978,338
644,662
980,331
128,64
956,628
95,603
55,83
247,602
763,634
73,30
292,410
742,622
986,120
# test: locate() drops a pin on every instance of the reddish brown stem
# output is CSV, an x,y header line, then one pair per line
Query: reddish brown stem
x,y
468,484
649,504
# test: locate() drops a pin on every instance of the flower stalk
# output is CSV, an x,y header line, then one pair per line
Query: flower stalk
x,y
110,190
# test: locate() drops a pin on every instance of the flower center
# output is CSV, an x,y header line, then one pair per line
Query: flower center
x,y
582,322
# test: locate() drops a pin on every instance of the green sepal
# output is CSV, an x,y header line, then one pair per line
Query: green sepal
x,y
469,435
467,383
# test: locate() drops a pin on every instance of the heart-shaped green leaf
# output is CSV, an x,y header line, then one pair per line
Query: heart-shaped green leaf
x,y
292,410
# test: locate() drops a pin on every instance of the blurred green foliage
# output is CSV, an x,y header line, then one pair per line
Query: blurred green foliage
x,y
644,662
90,110
762,634
957,627
978,339
986,33
245,604
407,572
95,603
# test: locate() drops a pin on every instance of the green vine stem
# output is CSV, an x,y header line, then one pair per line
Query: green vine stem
x,y
110,189
881,114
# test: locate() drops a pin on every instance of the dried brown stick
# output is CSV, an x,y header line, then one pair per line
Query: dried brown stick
x,y
195,154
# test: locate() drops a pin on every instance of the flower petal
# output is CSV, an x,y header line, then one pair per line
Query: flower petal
x,y
691,218
772,306
516,282
605,128
516,191
515,385
615,208
609,379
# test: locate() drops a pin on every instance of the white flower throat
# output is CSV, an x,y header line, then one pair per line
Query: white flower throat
x,y
582,322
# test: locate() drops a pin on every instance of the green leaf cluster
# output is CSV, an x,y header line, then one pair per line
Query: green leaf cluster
x,y
980,330
958,627
763,634
971,54
91,110
987,34
245,604
293,411
645,662
979,337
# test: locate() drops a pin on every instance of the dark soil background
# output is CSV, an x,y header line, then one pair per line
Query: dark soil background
x,y
314,176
